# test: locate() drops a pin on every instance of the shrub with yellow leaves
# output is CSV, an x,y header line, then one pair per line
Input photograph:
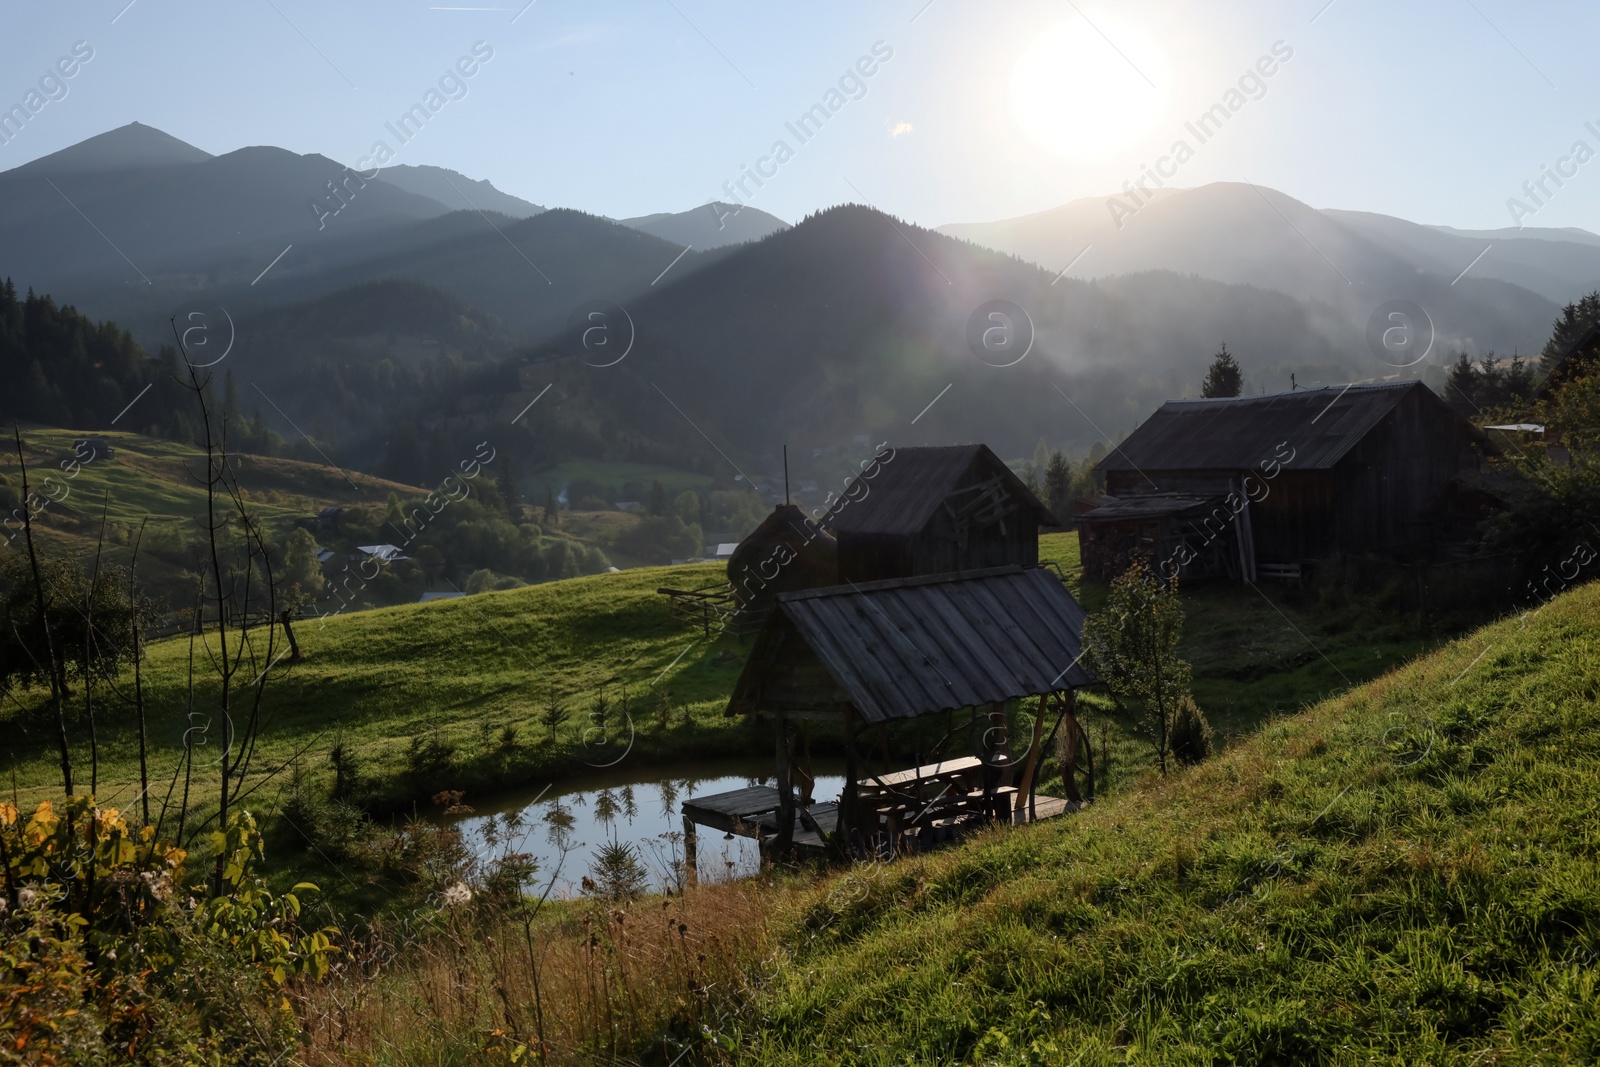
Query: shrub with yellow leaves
x,y
109,955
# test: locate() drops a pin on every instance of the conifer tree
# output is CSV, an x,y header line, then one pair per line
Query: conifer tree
x,y
1224,377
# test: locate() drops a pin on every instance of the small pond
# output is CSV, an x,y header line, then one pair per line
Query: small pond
x,y
639,810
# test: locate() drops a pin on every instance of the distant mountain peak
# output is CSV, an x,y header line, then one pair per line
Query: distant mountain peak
x,y
709,225
131,147
456,191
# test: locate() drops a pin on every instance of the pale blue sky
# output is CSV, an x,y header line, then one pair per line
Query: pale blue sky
x,y
1434,110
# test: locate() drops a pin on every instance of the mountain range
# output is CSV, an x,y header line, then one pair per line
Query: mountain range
x,y
742,333
1483,289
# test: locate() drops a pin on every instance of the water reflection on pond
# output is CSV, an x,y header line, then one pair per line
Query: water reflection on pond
x,y
637,813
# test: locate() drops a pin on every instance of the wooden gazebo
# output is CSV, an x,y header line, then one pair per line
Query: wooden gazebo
x,y
865,656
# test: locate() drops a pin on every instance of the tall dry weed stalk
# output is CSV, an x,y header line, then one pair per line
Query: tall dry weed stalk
x,y
587,981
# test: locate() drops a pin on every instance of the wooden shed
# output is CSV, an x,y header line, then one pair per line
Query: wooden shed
x,y
1286,478
866,656
934,510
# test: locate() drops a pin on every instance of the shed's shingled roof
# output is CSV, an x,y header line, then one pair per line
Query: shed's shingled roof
x,y
910,647
909,484
1147,506
1240,433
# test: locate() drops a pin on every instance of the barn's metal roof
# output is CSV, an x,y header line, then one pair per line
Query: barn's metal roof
x,y
900,493
1241,433
910,647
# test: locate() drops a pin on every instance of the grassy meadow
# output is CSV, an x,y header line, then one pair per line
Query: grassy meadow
x,y
151,477
421,695
452,674
1405,873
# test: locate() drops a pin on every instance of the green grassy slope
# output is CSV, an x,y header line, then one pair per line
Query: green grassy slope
x,y
1409,873
152,477
452,672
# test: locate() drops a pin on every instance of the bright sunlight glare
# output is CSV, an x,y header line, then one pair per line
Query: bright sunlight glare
x,y
1080,94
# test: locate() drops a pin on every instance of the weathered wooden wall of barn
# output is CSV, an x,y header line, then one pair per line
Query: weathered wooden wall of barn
x,y
1292,517
939,548
793,682
867,557
1388,480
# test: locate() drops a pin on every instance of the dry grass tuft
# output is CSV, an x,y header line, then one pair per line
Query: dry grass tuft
x,y
585,982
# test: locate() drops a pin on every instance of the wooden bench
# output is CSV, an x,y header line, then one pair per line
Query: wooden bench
x,y
1281,572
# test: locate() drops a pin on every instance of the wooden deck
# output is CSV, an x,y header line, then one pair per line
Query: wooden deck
x,y
753,812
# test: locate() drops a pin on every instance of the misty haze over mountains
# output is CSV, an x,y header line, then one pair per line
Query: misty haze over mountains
x,y
848,322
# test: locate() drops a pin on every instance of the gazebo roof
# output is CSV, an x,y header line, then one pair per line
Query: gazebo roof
x,y
911,647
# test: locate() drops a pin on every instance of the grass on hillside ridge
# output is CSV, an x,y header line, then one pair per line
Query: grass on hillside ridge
x,y
153,477
1409,873
451,675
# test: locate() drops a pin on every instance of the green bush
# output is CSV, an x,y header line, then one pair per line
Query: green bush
x,y
1190,733
487,581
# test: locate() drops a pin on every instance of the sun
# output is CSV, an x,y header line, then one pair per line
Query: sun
x,y
1083,88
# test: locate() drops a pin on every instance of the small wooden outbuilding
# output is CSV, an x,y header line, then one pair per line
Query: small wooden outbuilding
x,y
933,510
870,655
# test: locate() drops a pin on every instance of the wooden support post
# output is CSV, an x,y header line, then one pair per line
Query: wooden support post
x,y
785,835
848,795
1030,769
691,849
808,779
995,743
1069,748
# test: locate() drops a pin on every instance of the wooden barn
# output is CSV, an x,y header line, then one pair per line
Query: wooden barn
x,y
911,511
934,510
862,659
1257,486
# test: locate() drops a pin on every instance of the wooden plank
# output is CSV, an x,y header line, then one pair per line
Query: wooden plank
x,y
920,647
1056,630
919,677
1006,642
1052,626
928,770
958,688
825,626
922,681
988,631
734,800
1046,808
892,657
895,678
960,681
